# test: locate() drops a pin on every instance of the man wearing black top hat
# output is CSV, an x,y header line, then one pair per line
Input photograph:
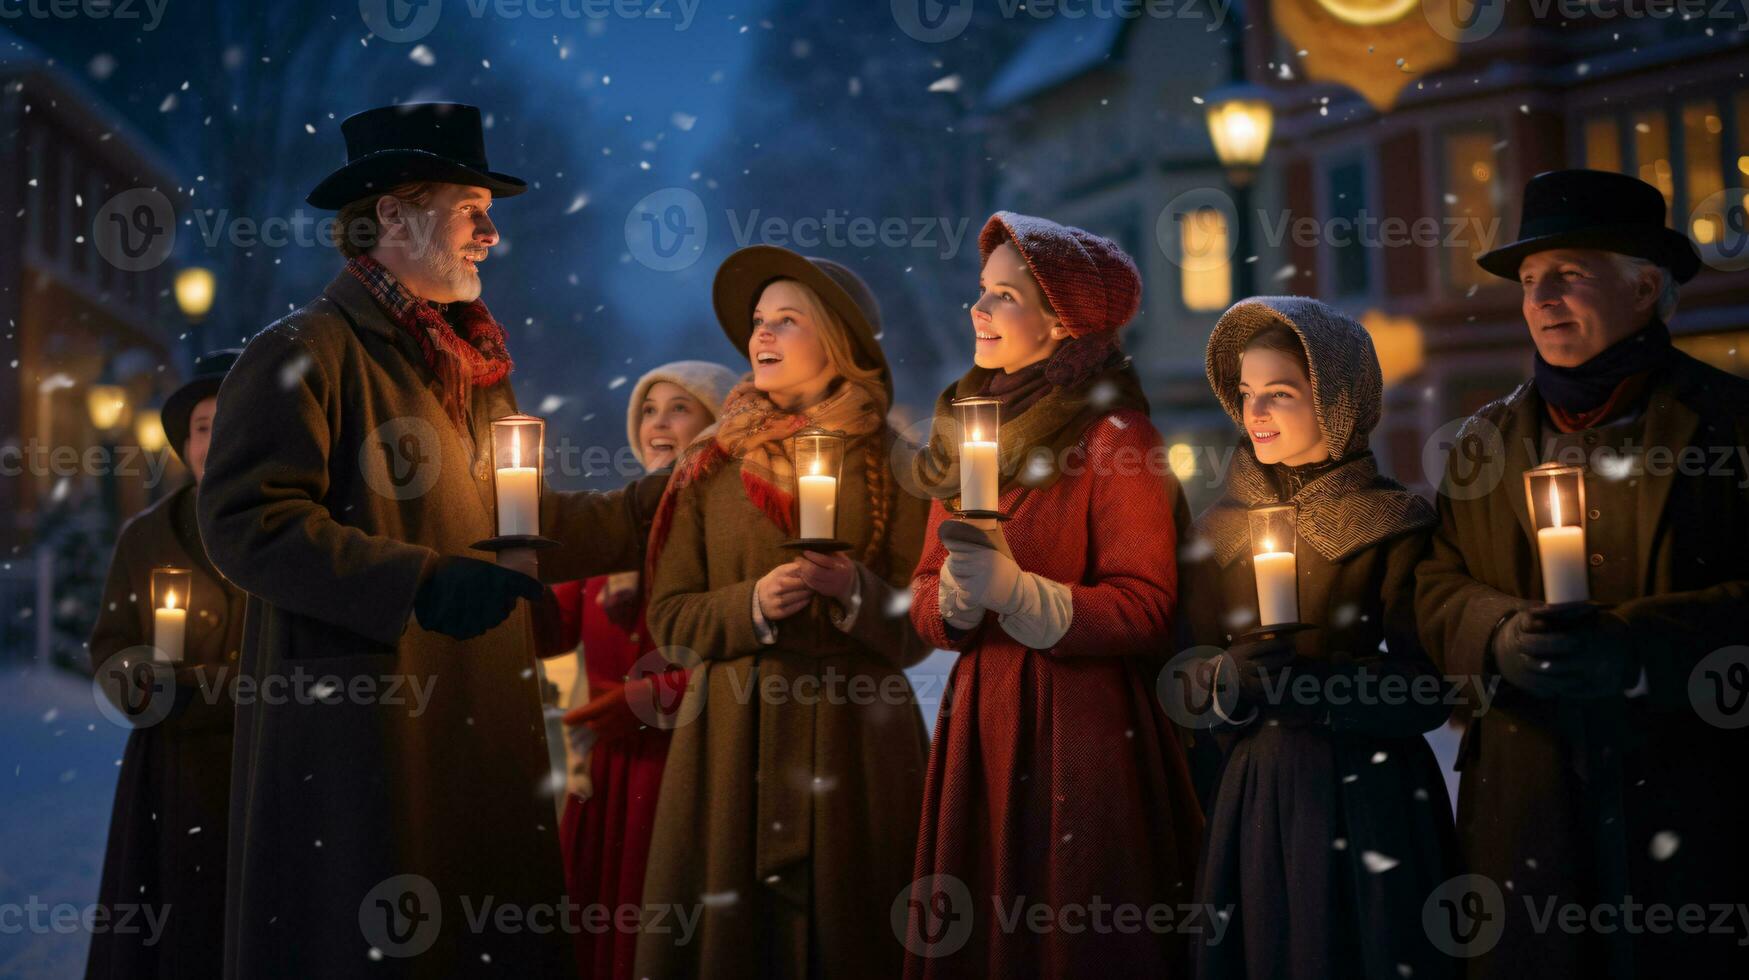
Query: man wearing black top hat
x,y
164,865
1603,789
375,831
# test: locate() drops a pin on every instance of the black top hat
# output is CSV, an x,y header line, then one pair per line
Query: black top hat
x,y
209,369
744,275
1594,209
386,147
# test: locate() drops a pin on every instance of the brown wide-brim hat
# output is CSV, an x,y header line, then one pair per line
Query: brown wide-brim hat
x,y
744,275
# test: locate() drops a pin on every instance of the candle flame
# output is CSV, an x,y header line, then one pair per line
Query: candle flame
x,y
515,450
170,599
977,435
816,469
1554,504
1268,545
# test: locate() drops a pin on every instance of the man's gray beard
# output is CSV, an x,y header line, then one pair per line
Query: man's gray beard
x,y
447,268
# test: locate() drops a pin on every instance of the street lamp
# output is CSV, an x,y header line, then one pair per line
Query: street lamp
x,y
1240,119
194,292
108,404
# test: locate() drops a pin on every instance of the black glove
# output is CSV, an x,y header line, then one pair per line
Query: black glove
x,y
1250,662
1577,652
464,597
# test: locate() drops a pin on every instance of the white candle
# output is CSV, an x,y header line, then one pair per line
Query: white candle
x,y
1277,589
518,500
819,499
169,628
1563,556
978,475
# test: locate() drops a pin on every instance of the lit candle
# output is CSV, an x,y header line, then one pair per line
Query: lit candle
x,y
978,474
518,495
1277,586
169,628
819,500
1563,556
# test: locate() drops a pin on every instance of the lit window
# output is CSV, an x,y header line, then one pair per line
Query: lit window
x,y
1702,151
1203,257
1603,144
1472,202
1652,154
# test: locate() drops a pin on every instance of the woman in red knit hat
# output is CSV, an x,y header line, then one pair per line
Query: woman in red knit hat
x,y
1059,830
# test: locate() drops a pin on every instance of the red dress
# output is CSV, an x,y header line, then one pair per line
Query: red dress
x,y
1055,779
606,839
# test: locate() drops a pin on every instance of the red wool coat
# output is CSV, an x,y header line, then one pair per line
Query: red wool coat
x,y
606,839
1055,779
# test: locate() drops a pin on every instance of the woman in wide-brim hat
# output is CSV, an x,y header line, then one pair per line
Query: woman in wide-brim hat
x,y
167,830
788,810
1055,780
616,742
1329,824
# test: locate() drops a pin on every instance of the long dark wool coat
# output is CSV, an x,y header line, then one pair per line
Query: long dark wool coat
x,y
408,829
1328,824
166,850
1543,779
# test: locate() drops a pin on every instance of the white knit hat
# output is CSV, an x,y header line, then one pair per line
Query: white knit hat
x,y
705,381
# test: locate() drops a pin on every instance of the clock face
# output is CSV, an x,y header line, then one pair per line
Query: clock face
x,y
1367,13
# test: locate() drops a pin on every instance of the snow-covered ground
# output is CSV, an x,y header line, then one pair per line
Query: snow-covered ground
x,y
58,763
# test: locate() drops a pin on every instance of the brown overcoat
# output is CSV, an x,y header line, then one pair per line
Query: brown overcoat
x,y
403,823
1558,796
790,803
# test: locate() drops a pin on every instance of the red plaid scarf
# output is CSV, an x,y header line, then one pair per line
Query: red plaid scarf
x,y
480,359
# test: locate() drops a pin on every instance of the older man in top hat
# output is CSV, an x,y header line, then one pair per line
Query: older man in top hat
x,y
1603,791
391,802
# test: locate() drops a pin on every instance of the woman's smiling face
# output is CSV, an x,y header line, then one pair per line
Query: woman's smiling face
x,y
669,420
1276,398
789,359
1011,327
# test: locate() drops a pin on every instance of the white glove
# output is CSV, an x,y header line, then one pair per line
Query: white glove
x,y
988,576
957,608
1032,609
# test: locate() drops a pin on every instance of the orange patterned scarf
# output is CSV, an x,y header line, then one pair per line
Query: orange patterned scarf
x,y
755,431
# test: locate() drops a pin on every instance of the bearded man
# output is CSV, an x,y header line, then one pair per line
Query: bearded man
x,y
391,806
